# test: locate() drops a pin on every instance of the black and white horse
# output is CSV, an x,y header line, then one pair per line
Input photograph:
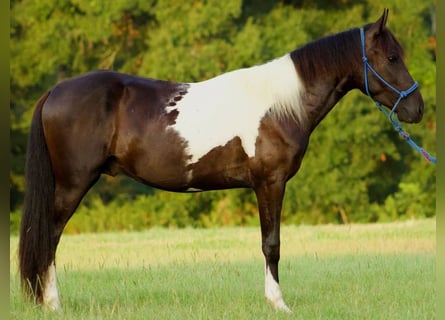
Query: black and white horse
x,y
248,128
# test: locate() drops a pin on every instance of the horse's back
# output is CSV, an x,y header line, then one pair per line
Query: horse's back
x,y
94,100
103,88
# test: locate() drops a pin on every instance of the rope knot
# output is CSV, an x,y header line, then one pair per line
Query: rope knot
x,y
405,135
426,155
403,94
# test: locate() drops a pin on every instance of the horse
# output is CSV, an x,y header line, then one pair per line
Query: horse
x,y
247,128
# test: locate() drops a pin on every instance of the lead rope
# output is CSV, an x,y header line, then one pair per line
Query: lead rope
x,y
402,94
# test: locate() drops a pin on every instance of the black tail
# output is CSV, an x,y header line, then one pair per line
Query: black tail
x,y
36,250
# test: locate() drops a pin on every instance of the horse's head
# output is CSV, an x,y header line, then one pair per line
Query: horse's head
x,y
388,80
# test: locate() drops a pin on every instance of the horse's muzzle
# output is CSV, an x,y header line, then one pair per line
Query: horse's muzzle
x,y
411,115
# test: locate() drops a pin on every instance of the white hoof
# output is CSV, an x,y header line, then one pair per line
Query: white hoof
x,y
52,305
281,306
273,293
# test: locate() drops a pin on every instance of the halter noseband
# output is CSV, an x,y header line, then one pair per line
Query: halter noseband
x,y
402,94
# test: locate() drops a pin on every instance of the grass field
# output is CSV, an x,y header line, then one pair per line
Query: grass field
x,y
380,271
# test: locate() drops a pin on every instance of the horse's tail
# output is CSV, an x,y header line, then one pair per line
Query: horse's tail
x,y
37,228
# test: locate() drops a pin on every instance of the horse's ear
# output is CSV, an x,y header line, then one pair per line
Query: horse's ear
x,y
379,25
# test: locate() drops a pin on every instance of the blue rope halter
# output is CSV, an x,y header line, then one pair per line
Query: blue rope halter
x,y
402,94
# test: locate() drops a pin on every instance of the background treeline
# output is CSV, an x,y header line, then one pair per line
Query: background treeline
x,y
357,168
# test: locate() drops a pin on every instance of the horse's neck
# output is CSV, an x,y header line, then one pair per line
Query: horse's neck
x,y
329,68
321,97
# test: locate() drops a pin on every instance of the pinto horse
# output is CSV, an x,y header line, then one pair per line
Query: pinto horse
x,y
248,128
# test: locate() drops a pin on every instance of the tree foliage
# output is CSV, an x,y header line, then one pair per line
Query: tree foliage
x,y
356,168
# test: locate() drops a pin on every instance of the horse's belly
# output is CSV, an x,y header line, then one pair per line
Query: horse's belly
x,y
223,167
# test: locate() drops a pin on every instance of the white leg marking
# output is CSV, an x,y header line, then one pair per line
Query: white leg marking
x,y
50,293
273,293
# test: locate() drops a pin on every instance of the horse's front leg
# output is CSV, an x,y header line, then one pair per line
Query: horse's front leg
x,y
270,198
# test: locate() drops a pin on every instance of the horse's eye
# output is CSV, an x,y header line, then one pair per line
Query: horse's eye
x,y
392,58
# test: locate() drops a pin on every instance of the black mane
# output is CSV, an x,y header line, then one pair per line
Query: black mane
x,y
339,53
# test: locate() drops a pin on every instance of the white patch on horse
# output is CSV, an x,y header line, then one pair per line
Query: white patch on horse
x,y
193,190
50,294
231,105
273,292
169,109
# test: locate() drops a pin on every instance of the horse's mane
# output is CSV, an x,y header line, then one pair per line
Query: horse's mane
x,y
339,54
334,54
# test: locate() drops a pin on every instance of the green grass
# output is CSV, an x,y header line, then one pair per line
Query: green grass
x,y
382,271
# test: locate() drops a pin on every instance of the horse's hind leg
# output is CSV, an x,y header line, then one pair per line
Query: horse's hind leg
x,y
67,198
